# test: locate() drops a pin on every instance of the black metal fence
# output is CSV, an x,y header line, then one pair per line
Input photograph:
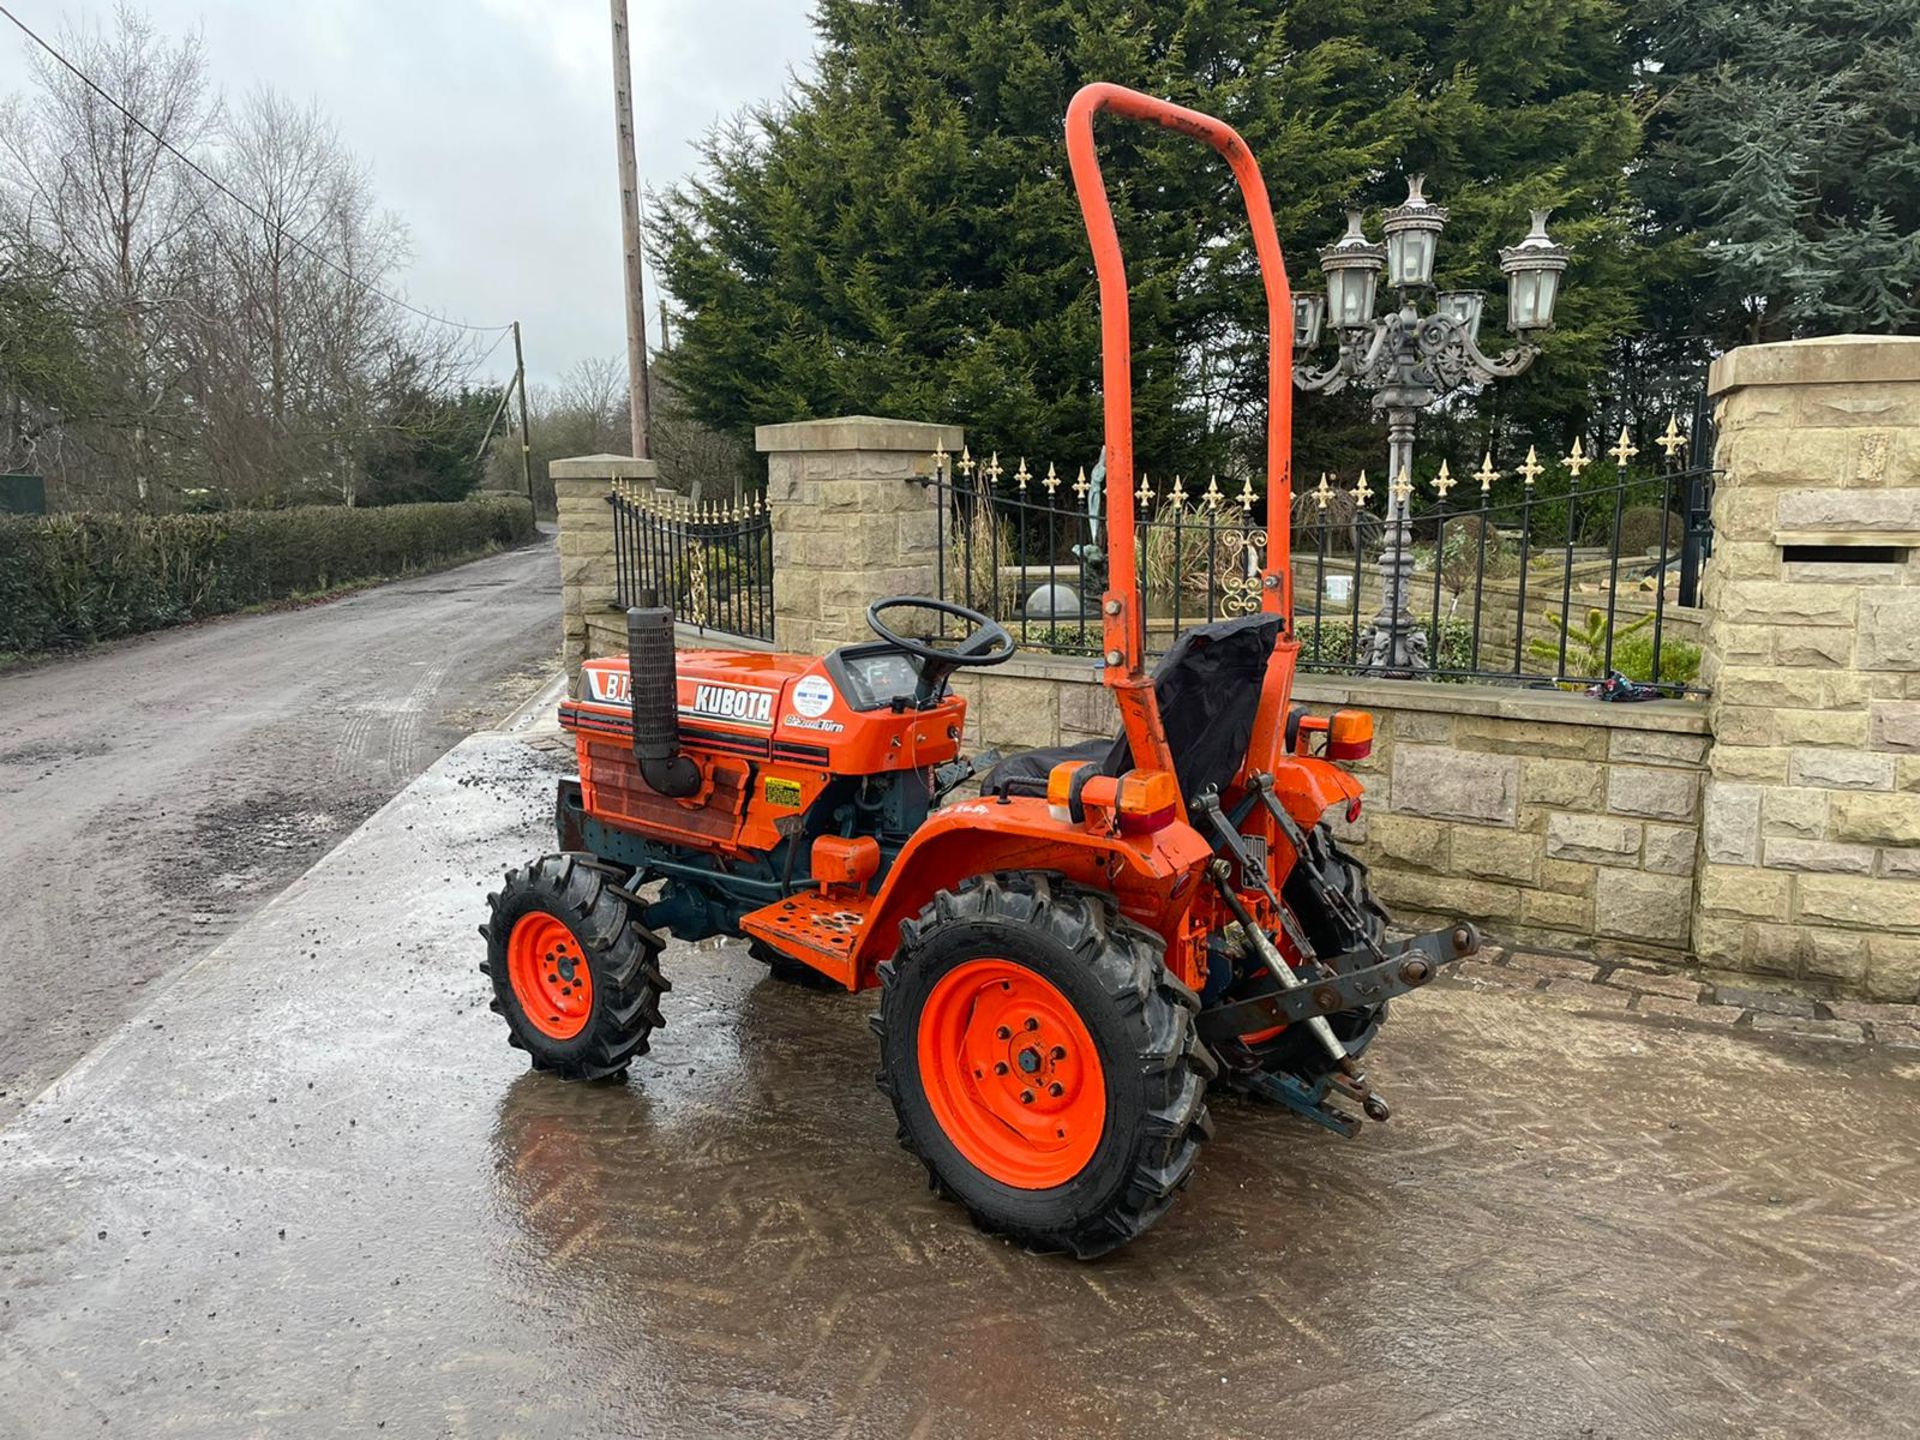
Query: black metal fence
x,y
711,564
1555,574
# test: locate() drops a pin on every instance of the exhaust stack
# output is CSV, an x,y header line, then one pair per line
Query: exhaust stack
x,y
656,705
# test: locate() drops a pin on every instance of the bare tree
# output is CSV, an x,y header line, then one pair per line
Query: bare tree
x,y
88,184
236,333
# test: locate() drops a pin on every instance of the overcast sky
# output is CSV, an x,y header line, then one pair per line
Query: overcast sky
x,y
488,126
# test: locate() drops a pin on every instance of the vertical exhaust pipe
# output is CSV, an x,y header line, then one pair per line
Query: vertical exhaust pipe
x,y
653,681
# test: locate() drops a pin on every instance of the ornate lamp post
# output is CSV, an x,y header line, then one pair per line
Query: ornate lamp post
x,y
1410,360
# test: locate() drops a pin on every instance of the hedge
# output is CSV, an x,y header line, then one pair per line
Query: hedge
x,y
66,580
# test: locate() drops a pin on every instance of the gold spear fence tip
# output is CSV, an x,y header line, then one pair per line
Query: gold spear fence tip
x,y
1021,475
1080,486
1672,440
1247,497
1403,484
1145,493
1444,481
1213,497
1362,492
1533,469
1323,492
1624,449
1486,474
1178,495
1052,483
1577,459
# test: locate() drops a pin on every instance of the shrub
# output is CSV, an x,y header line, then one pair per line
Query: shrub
x,y
70,579
1632,647
1679,659
1467,560
1187,555
979,542
1640,530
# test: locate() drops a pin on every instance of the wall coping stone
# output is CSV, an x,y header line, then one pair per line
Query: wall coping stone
x,y
858,432
1681,717
692,637
1826,360
603,467
1558,707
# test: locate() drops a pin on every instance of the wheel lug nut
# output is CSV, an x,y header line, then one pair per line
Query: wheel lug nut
x,y
1026,1097
1056,1089
1032,1023
1000,1067
1004,1033
1059,1052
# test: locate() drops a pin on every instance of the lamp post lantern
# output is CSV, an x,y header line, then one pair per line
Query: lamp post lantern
x,y
1410,360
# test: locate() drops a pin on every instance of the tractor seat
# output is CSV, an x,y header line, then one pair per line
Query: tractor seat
x,y
1208,688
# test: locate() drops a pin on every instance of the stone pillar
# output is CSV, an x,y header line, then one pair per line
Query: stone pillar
x,y
1811,842
588,586
852,520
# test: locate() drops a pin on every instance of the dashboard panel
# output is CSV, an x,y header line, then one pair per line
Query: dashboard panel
x,y
874,679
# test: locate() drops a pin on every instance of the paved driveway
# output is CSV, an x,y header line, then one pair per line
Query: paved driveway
x,y
157,792
312,1192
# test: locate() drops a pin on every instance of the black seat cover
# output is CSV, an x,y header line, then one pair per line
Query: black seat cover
x,y
1208,686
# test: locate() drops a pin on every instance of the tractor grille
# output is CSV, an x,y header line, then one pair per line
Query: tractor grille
x,y
616,792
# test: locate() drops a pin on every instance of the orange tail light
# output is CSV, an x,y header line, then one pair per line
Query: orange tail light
x,y
1349,735
1141,801
1148,801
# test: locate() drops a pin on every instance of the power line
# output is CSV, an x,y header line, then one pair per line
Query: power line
x,y
247,205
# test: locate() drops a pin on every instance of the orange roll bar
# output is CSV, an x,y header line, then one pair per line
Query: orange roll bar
x,y
1125,625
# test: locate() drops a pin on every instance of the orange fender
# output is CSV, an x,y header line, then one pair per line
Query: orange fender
x,y
1153,878
1310,787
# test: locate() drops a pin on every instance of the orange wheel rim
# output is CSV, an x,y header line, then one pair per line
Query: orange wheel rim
x,y
1011,1073
549,974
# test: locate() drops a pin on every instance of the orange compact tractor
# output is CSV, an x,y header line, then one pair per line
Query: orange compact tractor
x,y
1068,960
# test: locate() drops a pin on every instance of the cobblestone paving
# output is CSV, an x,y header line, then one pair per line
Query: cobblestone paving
x,y
312,1193
1689,996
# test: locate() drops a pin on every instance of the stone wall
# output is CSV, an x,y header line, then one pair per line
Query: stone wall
x,y
588,588
1811,842
849,522
1545,817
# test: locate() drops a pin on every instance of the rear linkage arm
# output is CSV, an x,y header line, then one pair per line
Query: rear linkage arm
x,y
1406,968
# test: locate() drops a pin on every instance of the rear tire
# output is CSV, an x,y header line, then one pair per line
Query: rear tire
x,y
575,974
1079,1137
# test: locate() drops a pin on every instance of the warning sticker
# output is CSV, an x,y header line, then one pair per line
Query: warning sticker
x,y
783,792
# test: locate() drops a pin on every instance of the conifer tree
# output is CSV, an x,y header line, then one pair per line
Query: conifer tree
x,y
899,235
1784,154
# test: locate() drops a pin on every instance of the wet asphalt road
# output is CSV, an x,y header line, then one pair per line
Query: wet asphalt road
x,y
156,792
311,1192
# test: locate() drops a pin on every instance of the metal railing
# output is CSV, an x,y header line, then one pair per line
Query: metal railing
x,y
711,564
1560,579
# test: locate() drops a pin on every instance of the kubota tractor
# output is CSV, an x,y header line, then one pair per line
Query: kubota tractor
x,y
1066,962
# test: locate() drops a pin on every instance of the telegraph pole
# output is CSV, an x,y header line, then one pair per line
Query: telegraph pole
x,y
526,436
630,229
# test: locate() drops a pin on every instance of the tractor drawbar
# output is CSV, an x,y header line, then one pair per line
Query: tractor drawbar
x,y
654,683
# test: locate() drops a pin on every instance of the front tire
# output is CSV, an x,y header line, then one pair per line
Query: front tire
x,y
1042,1063
575,974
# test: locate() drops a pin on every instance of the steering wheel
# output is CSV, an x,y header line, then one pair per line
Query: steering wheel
x,y
986,643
